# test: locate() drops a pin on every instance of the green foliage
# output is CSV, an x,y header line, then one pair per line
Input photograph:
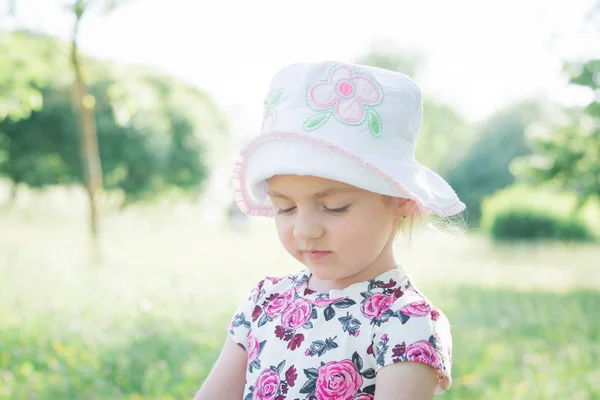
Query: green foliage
x,y
523,345
535,225
569,153
485,167
29,62
146,359
36,146
152,131
444,135
519,212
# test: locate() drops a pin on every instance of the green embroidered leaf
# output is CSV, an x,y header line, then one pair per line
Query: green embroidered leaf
x,y
375,125
316,121
276,98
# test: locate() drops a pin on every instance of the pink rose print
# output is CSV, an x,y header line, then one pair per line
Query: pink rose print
x,y
423,351
283,334
363,396
377,304
267,385
256,313
398,352
297,314
302,289
391,284
291,375
253,347
398,292
279,304
435,314
416,309
338,381
326,302
296,341
346,95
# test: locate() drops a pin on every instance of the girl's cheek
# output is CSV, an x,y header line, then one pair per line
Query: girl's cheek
x,y
284,224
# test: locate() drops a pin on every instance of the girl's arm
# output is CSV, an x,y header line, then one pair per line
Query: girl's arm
x,y
227,379
405,381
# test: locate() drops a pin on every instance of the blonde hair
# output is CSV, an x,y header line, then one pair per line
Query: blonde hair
x,y
405,216
410,214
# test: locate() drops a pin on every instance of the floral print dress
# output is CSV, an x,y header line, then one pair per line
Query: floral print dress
x,y
329,346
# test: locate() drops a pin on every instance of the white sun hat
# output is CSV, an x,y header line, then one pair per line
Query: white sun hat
x,y
350,123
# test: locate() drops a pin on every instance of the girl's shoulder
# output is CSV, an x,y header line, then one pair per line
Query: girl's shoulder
x,y
413,302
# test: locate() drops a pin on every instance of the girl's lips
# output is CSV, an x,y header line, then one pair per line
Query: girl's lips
x,y
316,255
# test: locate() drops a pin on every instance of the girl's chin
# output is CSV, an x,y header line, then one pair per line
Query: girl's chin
x,y
326,272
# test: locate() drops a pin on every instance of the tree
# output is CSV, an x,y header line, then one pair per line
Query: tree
x,y
30,61
152,131
568,154
84,104
485,168
444,134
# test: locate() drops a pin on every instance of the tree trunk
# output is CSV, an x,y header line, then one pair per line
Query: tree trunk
x,y
90,156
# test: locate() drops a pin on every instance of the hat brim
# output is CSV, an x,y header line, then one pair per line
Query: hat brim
x,y
281,153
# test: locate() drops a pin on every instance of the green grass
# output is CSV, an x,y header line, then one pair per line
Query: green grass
x,y
149,321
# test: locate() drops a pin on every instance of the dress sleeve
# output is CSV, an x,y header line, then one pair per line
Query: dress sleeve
x,y
416,332
243,317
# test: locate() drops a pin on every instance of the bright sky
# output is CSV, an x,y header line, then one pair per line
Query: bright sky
x,y
480,55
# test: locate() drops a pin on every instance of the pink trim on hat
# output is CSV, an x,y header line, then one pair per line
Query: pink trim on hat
x,y
241,196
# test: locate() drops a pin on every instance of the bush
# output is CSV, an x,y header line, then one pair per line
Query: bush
x,y
520,212
485,168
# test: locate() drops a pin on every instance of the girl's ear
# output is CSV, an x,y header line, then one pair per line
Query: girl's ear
x,y
405,207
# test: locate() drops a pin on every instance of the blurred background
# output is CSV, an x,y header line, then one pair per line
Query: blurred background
x,y
123,254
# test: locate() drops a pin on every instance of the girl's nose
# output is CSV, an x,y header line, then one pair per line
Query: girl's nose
x,y
307,226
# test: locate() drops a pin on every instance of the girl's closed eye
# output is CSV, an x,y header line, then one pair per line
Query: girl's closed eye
x,y
338,210
285,210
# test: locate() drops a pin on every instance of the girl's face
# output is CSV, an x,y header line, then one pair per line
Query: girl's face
x,y
341,233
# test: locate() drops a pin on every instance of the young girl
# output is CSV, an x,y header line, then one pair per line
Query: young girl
x,y
335,167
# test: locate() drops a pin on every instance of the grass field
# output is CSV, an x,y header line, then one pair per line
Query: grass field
x,y
149,321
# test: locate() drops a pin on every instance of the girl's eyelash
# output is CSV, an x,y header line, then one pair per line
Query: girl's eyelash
x,y
337,210
284,210
331,210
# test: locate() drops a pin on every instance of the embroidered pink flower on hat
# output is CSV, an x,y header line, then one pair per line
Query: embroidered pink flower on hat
x,y
347,95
